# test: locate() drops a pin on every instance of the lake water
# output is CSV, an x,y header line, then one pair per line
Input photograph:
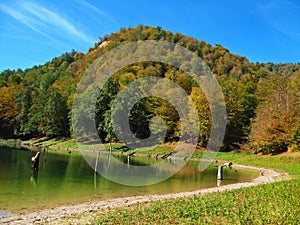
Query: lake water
x,y
65,178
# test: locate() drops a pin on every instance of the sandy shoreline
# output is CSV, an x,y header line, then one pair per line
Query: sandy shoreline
x,y
53,216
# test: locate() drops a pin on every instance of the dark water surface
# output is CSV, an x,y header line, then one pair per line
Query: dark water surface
x,y
65,178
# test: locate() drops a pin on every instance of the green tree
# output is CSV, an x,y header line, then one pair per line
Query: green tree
x,y
48,115
240,104
103,110
23,104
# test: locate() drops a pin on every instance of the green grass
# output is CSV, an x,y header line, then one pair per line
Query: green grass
x,y
61,143
276,203
65,143
51,142
268,204
10,140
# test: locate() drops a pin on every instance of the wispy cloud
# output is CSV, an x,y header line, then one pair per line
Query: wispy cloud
x,y
45,22
105,22
283,16
91,7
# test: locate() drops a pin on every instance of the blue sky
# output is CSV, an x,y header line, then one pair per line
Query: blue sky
x,y
33,32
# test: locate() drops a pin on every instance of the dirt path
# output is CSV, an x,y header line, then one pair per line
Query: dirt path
x,y
55,215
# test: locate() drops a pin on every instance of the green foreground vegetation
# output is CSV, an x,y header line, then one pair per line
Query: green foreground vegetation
x,y
276,203
258,205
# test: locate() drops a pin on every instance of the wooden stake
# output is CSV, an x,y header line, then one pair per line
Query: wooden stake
x,y
220,173
35,161
96,163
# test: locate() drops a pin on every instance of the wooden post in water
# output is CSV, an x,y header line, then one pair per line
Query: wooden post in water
x,y
220,173
35,161
96,163
219,182
109,155
95,181
110,147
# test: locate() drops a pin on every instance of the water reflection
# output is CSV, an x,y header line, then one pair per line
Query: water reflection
x,y
33,177
95,181
67,179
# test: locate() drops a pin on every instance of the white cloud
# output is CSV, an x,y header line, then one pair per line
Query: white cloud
x,y
53,19
100,12
103,21
45,22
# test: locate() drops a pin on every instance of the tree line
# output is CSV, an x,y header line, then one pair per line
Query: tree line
x,y
262,100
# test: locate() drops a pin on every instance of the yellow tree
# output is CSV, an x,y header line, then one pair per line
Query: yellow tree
x,y
8,111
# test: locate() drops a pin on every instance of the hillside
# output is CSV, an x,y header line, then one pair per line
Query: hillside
x,y
262,100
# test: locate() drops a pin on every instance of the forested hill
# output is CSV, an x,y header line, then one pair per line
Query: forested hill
x,y
262,100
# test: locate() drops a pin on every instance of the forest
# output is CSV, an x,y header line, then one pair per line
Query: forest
x,y
262,99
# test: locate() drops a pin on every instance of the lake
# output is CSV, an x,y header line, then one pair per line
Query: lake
x,y
65,178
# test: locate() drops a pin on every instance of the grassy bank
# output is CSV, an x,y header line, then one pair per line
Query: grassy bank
x,y
71,144
276,203
269,204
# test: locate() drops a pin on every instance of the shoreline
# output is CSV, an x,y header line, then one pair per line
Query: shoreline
x,y
55,214
34,147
